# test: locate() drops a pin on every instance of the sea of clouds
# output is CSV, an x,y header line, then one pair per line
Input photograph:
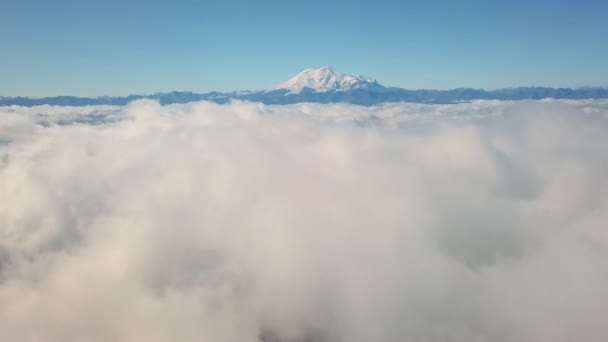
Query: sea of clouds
x,y
482,221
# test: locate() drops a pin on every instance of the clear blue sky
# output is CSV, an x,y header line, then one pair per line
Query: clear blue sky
x,y
87,48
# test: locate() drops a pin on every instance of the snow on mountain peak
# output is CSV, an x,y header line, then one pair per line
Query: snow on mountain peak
x,y
324,79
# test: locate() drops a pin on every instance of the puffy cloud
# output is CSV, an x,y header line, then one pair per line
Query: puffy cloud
x,y
481,221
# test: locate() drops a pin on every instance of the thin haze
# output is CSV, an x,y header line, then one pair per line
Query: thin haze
x,y
481,221
93,48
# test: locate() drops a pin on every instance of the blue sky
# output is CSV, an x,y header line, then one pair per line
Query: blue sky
x,y
91,48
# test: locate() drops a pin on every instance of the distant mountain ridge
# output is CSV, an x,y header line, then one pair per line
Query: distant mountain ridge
x,y
325,85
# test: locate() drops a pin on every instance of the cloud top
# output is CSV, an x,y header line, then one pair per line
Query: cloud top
x,y
480,221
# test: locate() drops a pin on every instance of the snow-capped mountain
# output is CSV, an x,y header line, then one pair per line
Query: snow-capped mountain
x,y
325,85
324,79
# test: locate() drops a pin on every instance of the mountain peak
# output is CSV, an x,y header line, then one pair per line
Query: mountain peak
x,y
325,79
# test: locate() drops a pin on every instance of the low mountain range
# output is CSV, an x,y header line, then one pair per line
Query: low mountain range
x,y
325,85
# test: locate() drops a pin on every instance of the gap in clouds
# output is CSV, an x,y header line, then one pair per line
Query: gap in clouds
x,y
481,221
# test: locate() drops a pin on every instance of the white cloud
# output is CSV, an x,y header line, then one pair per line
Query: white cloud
x,y
481,221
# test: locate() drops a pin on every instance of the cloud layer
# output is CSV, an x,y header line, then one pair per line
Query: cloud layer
x,y
481,221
